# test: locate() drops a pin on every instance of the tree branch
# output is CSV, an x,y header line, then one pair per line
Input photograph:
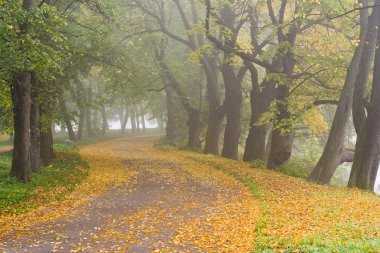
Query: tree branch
x,y
352,10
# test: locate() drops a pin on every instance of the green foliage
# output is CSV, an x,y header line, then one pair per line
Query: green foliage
x,y
271,117
298,167
39,49
205,50
259,164
54,182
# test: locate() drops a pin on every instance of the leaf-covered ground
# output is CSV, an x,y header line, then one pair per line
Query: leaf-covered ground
x,y
297,216
141,199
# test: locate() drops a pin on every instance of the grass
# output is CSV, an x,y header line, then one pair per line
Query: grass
x,y
298,167
52,183
297,216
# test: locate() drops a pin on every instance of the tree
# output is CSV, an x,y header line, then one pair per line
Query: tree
x,y
35,155
334,152
366,159
21,99
195,41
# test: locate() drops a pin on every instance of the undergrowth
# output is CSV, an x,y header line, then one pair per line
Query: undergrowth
x,y
52,183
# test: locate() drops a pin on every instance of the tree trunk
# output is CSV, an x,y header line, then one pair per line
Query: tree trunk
x,y
367,156
35,155
282,139
124,120
143,119
160,122
66,119
233,103
137,119
21,99
81,123
360,87
333,153
170,115
193,114
268,144
105,121
366,159
90,132
255,143
46,125
194,123
216,111
260,102
233,91
81,104
281,149
95,121
214,129
133,121
46,142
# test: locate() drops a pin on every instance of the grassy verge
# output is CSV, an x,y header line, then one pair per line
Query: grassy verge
x,y
53,182
297,216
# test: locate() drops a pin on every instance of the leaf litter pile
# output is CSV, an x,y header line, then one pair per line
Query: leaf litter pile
x,y
141,199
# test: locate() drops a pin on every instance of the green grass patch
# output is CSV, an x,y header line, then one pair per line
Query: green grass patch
x,y
318,244
344,240
298,167
259,164
53,182
163,143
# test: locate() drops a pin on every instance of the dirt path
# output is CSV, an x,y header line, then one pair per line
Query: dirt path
x,y
170,204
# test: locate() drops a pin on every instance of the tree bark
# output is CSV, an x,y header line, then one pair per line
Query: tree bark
x,y
360,87
46,125
105,121
260,100
282,139
35,156
332,154
90,132
80,101
367,156
67,120
170,115
233,92
82,115
334,150
194,129
233,102
216,111
193,121
133,120
21,99
143,119
46,142
137,118
124,119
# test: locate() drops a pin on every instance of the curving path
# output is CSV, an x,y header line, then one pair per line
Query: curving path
x,y
143,199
